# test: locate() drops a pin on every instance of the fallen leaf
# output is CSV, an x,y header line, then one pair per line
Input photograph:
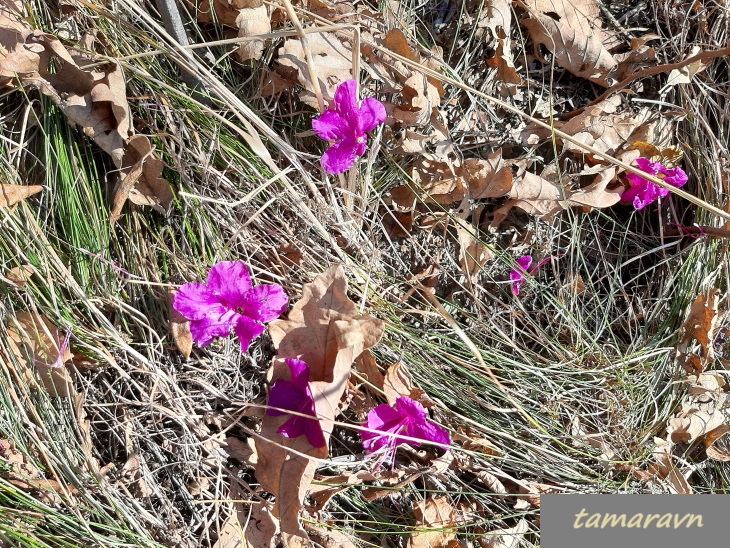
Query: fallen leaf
x,y
151,189
328,537
25,475
19,275
325,330
474,253
230,534
577,48
180,329
420,94
34,341
705,408
685,74
133,477
332,64
262,528
397,382
252,20
506,538
640,56
434,517
93,99
12,194
223,12
328,486
496,17
368,369
701,322
543,196
713,451
603,127
488,178
664,468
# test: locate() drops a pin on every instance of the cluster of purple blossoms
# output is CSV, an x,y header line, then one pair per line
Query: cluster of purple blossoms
x,y
228,302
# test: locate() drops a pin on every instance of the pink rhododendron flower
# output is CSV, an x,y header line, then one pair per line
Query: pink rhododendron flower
x,y
227,301
295,395
517,274
346,123
642,192
408,418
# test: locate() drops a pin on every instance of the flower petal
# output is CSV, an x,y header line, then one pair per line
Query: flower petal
x,y
330,125
284,395
339,157
385,419
208,328
299,374
247,330
372,114
346,100
230,281
645,164
296,426
428,431
674,176
264,302
517,274
195,301
410,408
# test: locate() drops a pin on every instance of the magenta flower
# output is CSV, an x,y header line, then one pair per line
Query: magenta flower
x,y
517,274
227,301
346,123
642,192
407,418
295,395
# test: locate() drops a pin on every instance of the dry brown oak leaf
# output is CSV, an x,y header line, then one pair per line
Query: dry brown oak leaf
x,y
332,64
326,331
572,32
92,99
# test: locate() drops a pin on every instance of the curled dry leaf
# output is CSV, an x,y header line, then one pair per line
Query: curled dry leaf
x,y
151,189
488,178
20,274
543,195
437,182
474,253
25,475
685,74
368,369
600,126
34,341
420,94
332,64
705,408
506,538
12,194
328,486
666,467
250,22
581,54
496,17
397,383
223,12
94,100
435,517
701,322
180,328
326,331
